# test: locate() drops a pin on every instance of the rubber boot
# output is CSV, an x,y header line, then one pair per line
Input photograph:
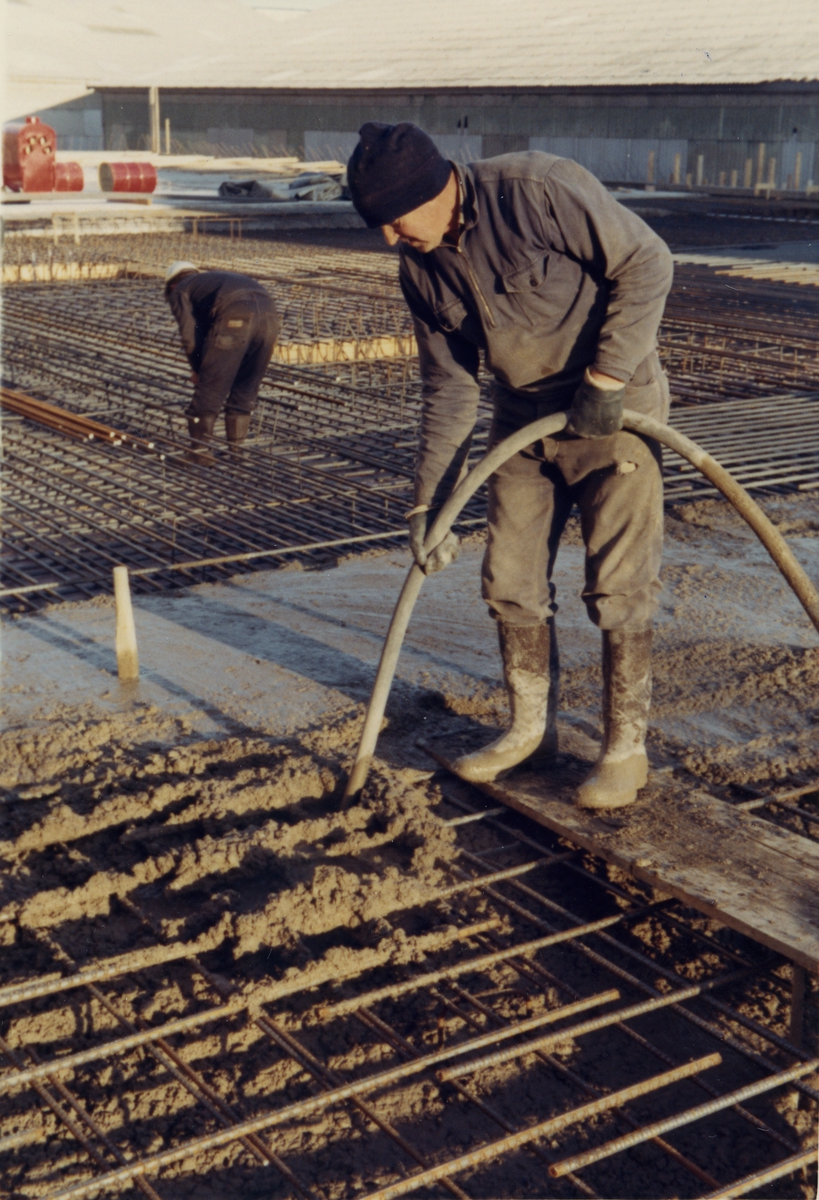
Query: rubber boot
x,y
531,673
201,434
237,427
622,768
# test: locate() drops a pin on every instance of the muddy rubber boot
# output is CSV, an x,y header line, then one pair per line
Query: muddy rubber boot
x,y
201,434
237,427
622,768
531,673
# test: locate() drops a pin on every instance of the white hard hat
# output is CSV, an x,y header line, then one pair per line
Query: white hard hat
x,y
180,267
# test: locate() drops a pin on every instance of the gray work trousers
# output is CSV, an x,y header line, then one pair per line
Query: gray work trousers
x,y
616,482
235,355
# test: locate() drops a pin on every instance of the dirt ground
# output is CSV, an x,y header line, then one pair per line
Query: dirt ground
x,y
203,804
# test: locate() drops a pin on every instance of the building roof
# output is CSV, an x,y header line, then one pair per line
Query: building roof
x,y
425,44
548,43
93,43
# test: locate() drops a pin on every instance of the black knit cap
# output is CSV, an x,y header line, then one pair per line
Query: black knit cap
x,y
393,170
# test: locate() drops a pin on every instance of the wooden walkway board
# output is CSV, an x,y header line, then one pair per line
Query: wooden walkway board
x,y
739,869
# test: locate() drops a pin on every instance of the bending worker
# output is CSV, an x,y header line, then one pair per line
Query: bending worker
x,y
528,259
229,326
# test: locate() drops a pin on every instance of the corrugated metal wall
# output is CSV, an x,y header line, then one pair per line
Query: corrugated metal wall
x,y
622,160
747,134
321,144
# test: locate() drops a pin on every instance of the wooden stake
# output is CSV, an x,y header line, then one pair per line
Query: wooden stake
x,y
126,643
650,167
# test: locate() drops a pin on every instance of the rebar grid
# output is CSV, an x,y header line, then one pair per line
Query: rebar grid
x,y
707,334
430,1028
330,460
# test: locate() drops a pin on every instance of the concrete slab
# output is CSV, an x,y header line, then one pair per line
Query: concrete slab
x,y
280,649
785,252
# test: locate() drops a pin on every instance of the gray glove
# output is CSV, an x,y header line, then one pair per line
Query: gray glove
x,y
443,554
596,412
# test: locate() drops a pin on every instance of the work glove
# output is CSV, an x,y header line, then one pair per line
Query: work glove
x,y
443,554
596,412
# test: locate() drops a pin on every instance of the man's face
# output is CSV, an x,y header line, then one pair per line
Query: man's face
x,y
426,227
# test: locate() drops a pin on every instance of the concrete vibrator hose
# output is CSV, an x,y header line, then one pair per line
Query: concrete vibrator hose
x,y
635,422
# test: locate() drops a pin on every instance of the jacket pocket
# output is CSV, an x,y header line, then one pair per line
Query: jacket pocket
x,y
450,317
528,278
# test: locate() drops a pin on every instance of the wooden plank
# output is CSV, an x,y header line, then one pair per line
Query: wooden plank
x,y
774,837
738,869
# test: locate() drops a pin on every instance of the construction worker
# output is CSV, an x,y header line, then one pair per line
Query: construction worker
x,y
229,326
527,259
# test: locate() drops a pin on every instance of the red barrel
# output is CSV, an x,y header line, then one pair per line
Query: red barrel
x,y
68,177
29,149
127,177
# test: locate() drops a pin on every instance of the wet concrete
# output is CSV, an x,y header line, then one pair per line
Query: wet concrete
x,y
281,649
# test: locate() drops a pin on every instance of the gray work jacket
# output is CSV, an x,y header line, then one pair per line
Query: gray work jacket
x,y
198,301
550,275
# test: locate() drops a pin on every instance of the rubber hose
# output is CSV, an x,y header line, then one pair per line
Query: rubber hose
x,y
635,422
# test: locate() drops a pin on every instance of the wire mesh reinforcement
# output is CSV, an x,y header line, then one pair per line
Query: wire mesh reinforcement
x,y
329,462
567,1101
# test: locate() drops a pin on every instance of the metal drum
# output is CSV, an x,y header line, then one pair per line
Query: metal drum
x,y
68,177
127,177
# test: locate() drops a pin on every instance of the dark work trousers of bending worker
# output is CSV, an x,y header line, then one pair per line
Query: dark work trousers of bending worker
x,y
528,260
229,325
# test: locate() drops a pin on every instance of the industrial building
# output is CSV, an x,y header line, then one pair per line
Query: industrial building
x,y
741,134
667,93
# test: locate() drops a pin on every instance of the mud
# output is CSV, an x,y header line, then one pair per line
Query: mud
x,y
127,824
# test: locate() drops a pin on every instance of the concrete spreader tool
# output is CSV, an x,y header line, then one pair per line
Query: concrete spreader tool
x,y
635,422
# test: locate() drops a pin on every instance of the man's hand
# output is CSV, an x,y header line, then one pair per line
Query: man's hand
x,y
597,407
443,554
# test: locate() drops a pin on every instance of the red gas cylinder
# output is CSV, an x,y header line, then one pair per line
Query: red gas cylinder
x,y
29,149
127,177
68,177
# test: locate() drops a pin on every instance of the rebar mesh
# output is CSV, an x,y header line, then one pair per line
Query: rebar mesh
x,y
511,1012
329,462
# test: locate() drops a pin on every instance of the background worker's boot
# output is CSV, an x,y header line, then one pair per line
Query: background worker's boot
x,y
201,434
530,671
622,768
237,427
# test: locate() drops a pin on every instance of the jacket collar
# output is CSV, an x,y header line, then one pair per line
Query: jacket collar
x,y
469,198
